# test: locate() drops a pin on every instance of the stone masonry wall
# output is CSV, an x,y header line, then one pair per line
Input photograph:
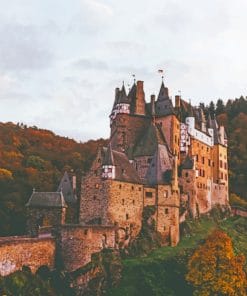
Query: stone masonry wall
x,y
32,252
168,213
44,217
126,206
94,200
126,129
78,243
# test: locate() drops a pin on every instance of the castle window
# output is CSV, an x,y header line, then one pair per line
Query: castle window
x,y
96,185
166,194
166,211
209,162
140,189
122,201
132,187
127,216
186,174
203,159
197,157
133,201
148,194
226,177
207,149
221,164
123,171
225,166
94,197
85,232
120,186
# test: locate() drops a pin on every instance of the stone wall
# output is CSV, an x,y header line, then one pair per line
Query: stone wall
x,y
77,243
188,186
126,129
44,217
171,129
16,252
167,219
126,206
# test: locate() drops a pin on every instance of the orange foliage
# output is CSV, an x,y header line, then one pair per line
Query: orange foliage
x,y
215,270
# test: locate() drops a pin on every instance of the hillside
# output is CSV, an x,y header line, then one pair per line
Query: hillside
x,y
35,158
163,271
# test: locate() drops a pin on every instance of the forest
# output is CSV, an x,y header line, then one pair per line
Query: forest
x,y
36,158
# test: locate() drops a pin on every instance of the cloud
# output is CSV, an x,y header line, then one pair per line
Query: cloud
x,y
97,8
90,64
23,48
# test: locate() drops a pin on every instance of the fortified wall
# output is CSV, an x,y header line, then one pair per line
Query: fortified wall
x,y
16,252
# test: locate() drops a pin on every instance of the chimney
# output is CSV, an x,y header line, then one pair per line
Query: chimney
x,y
74,183
177,101
153,105
140,99
222,134
175,173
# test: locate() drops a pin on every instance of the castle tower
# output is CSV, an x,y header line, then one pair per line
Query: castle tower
x,y
166,117
140,99
128,119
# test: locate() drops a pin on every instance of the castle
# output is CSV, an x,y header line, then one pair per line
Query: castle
x,y
170,157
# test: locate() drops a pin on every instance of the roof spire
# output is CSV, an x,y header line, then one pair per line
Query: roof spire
x,y
134,78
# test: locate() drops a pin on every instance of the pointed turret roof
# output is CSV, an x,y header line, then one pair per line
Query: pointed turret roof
x,y
66,187
163,105
163,94
123,96
124,170
188,163
152,137
132,97
213,124
160,169
108,159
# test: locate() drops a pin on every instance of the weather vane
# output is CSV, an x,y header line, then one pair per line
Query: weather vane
x,y
161,71
134,77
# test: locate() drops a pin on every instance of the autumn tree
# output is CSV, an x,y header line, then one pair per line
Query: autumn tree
x,y
213,269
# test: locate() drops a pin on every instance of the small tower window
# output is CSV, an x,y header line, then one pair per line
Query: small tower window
x,y
120,186
149,194
122,201
166,211
127,216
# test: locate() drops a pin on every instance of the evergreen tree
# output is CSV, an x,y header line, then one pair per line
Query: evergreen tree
x,y
211,109
220,107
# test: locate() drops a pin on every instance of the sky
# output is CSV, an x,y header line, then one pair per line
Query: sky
x,y
60,60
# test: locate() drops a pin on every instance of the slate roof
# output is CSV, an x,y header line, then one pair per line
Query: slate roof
x,y
46,200
188,163
125,171
163,105
149,141
67,189
160,169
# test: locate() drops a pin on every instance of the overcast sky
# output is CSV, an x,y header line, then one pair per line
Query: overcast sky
x,y
61,60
